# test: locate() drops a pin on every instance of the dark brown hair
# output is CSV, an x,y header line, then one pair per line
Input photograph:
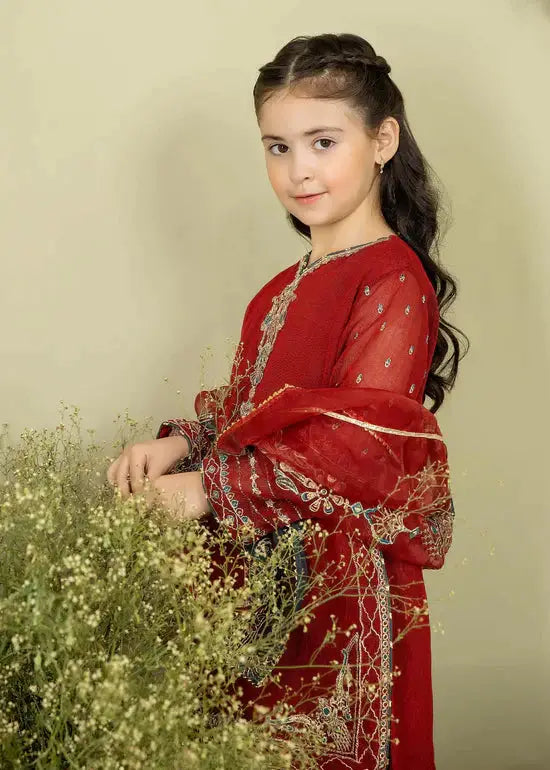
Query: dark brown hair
x,y
346,67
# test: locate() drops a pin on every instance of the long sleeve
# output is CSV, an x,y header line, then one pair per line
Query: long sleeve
x,y
311,469
200,433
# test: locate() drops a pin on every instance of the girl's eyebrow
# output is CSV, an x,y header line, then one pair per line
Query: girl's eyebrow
x,y
306,133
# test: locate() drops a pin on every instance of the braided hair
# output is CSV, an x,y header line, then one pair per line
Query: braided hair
x,y
345,66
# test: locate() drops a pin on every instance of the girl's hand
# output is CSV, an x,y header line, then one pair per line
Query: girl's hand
x,y
181,493
148,459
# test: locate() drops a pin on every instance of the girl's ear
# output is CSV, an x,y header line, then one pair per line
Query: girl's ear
x,y
387,140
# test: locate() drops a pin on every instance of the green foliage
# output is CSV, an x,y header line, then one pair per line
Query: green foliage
x,y
117,648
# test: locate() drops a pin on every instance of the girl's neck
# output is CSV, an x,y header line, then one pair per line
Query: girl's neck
x,y
321,250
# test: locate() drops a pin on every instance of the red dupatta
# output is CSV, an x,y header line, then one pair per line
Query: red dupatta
x,y
389,512
388,454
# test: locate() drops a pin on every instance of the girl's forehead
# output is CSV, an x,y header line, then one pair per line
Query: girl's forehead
x,y
304,110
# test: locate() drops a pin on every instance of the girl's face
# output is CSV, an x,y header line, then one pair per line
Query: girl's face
x,y
319,146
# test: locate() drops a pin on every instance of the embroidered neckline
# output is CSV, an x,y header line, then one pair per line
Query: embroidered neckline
x,y
275,318
304,267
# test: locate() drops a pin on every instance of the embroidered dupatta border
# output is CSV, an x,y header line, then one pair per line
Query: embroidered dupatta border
x,y
317,724
382,429
346,418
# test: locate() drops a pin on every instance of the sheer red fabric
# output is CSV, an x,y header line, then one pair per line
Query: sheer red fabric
x,y
323,419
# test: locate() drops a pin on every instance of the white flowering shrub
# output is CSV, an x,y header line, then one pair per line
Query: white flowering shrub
x,y
117,648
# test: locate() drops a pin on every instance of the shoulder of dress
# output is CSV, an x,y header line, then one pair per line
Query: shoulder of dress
x,y
398,265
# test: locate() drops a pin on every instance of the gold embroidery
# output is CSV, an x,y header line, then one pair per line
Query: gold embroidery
x,y
306,268
275,319
271,326
253,474
255,409
317,495
348,711
333,717
368,426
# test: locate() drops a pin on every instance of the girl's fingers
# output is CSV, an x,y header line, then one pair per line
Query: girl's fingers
x,y
122,477
137,473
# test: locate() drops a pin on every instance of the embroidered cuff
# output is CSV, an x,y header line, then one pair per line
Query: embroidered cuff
x,y
224,505
190,430
199,435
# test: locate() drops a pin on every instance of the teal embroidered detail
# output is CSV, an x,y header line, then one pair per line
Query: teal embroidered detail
x,y
385,524
350,714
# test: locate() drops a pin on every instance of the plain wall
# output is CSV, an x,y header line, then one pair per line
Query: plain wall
x,y
137,220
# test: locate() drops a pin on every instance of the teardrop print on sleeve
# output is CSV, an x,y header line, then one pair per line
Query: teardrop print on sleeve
x,y
387,337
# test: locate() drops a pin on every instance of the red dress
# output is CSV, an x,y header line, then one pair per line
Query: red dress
x,y
323,419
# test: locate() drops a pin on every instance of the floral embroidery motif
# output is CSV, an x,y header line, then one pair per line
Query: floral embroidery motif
x,y
355,335
423,299
427,338
317,495
331,721
359,378
411,350
402,277
383,326
438,535
407,310
385,524
387,362
367,290
412,388
380,307
338,719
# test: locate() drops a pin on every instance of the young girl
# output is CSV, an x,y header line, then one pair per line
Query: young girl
x,y
323,417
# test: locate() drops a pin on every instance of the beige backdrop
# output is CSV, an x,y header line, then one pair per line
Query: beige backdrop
x,y
137,221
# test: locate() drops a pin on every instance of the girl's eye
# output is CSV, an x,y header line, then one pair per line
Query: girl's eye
x,y
284,145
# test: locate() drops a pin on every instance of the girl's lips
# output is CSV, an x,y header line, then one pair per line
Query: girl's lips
x,y
309,198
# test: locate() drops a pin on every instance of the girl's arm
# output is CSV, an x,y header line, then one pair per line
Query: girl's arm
x,y
332,469
199,433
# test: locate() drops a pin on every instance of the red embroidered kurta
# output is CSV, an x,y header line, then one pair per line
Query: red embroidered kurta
x,y
323,419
